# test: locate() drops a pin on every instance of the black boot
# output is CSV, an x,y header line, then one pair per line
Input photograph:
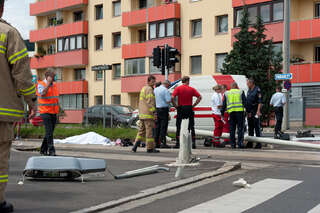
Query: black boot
x,y
194,145
153,151
6,207
134,148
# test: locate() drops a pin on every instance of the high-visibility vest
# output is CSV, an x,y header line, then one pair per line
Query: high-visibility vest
x,y
50,102
234,101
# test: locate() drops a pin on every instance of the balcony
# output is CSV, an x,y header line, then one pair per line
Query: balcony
x,y
63,30
305,29
141,50
240,3
305,73
45,7
72,87
162,12
73,116
133,84
61,59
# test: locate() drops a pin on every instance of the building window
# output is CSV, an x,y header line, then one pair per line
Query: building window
x,y
116,40
98,100
72,43
116,71
78,16
99,42
278,11
58,76
271,11
277,48
99,75
142,35
60,45
116,8
51,49
317,54
134,66
153,31
79,42
253,13
196,26
219,61
162,30
99,11
196,64
317,9
265,13
222,22
116,99
80,74
66,44
170,28
74,101
142,4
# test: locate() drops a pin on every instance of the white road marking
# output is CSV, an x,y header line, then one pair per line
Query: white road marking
x,y
315,209
244,199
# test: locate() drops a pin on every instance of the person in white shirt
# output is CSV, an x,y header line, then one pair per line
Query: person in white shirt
x,y
218,122
278,100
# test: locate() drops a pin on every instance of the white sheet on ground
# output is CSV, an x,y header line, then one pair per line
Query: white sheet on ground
x,y
87,138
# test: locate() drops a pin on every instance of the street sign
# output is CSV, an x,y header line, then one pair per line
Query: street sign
x,y
101,67
287,76
287,85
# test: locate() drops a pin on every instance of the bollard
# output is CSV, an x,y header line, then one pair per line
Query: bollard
x,y
185,148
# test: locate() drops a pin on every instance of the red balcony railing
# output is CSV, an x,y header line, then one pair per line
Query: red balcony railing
x,y
305,29
305,73
140,50
48,6
62,59
239,3
162,12
72,87
135,83
63,30
73,116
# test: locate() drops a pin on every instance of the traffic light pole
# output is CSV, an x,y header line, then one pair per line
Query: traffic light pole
x,y
286,59
104,99
166,67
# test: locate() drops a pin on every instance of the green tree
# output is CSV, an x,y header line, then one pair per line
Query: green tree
x,y
253,55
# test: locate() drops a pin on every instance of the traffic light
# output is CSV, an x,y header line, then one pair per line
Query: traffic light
x,y
156,57
171,58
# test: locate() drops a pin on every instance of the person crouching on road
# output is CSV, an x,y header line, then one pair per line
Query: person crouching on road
x,y
163,99
234,102
218,123
48,102
147,114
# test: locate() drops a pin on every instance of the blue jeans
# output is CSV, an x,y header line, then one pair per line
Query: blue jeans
x,y
49,121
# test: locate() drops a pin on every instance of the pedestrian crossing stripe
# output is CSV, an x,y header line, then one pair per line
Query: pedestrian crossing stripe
x,y
244,199
315,209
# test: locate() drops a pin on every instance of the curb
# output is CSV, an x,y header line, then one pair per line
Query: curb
x,y
227,167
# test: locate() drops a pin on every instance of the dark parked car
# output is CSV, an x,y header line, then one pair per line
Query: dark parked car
x,y
119,114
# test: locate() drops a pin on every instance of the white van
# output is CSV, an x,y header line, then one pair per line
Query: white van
x,y
204,85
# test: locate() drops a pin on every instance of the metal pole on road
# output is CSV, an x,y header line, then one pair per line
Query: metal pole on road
x,y
104,99
286,58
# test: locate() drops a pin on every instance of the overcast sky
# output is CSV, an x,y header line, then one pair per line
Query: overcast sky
x,y
16,12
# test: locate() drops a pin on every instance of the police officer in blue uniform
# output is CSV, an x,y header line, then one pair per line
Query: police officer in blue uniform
x,y
253,108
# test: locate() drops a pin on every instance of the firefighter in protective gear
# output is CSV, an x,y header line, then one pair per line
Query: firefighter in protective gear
x,y
234,102
147,110
48,102
15,86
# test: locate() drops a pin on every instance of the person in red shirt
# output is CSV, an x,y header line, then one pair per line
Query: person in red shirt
x,y
185,95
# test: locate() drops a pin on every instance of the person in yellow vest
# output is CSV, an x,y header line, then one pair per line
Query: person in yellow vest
x,y
15,86
147,115
234,102
48,103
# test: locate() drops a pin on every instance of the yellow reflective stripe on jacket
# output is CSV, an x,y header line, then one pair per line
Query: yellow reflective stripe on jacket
x,y
143,116
3,49
152,109
3,37
29,91
17,56
11,112
3,178
150,140
149,96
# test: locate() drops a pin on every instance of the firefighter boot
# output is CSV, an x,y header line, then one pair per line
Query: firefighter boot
x,y
6,207
136,144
